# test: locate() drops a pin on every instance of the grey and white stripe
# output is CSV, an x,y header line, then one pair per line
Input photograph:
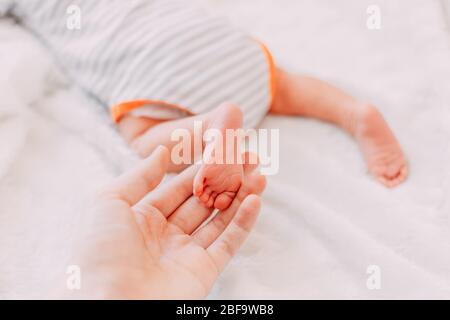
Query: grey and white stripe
x,y
159,50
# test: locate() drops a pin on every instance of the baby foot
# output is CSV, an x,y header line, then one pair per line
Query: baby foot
x,y
381,150
216,185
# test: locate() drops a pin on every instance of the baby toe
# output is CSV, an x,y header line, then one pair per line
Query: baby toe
x,y
199,184
393,183
403,174
383,181
223,200
204,197
392,172
404,171
210,202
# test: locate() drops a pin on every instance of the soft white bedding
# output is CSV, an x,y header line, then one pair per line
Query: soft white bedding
x,y
324,221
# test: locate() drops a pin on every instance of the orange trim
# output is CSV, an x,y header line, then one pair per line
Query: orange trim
x,y
272,70
119,110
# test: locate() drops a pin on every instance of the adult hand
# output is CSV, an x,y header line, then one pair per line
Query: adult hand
x,y
156,245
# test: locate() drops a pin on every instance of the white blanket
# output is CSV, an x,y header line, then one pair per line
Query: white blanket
x,y
324,221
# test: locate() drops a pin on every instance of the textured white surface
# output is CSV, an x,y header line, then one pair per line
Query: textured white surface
x,y
324,221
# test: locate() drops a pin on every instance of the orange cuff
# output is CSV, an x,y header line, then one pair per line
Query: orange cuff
x,y
119,110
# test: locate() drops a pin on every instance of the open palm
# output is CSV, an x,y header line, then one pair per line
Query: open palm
x,y
157,244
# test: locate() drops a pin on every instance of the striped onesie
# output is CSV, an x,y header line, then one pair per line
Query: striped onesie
x,y
162,59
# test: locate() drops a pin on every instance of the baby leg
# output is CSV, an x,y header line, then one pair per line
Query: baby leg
x,y
216,183
309,97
